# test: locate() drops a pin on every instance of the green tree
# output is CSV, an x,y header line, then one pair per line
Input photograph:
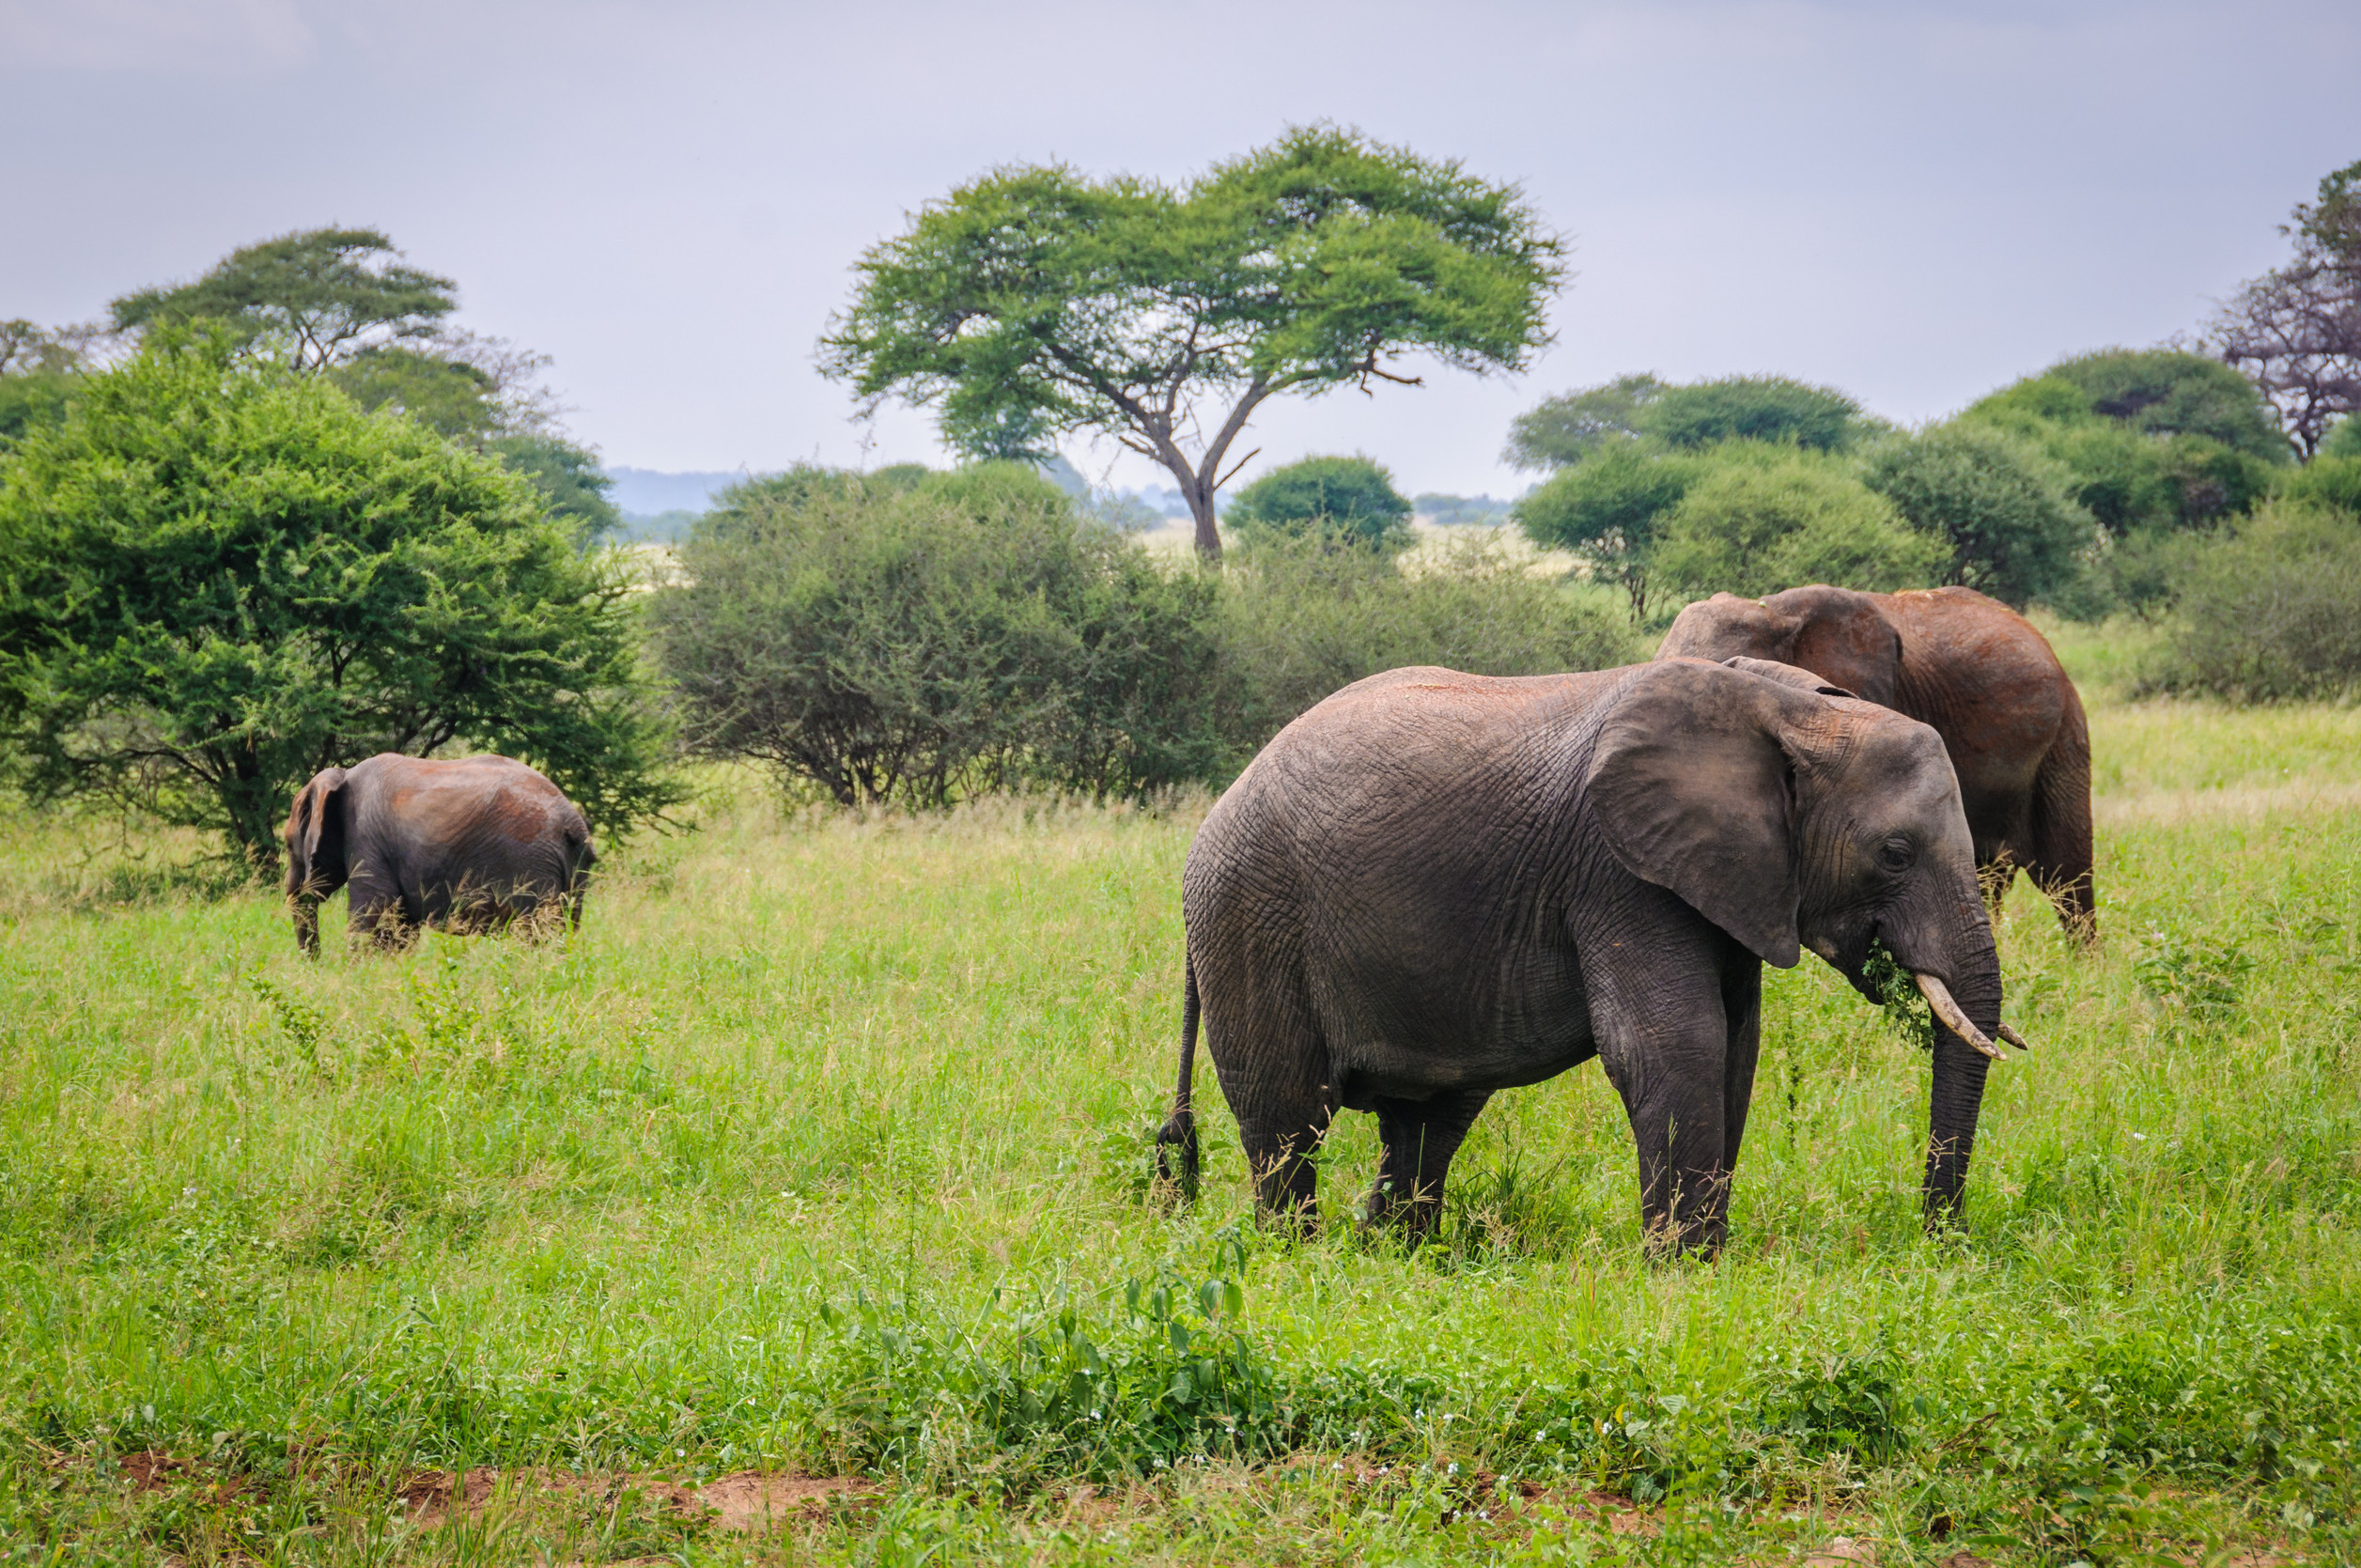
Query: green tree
x,y
921,642
2168,391
1609,510
571,483
447,397
1757,520
1037,300
2343,439
329,292
1560,431
1350,499
1750,408
219,576
40,372
2006,509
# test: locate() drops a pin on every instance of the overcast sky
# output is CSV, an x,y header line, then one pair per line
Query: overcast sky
x,y
1914,203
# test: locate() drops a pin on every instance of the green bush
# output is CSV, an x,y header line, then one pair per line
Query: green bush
x,y
1347,500
1609,509
2013,528
2334,482
2344,440
217,577
1298,622
1759,520
917,638
2270,612
2172,391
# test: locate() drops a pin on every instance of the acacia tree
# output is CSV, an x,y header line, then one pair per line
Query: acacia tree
x,y
2296,329
332,292
1037,300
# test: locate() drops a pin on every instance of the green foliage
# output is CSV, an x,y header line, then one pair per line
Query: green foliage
x,y
569,476
917,644
327,292
1298,621
1560,431
2330,480
2006,509
1770,408
2171,391
448,397
1037,300
218,577
39,373
2269,612
2343,439
1349,500
1611,511
1758,519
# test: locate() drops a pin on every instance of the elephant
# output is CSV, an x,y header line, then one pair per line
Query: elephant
x,y
1435,886
468,844
1974,670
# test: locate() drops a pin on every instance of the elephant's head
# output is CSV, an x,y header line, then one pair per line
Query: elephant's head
x,y
1833,632
1794,816
315,863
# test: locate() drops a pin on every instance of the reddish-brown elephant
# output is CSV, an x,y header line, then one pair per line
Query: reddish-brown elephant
x,y
1971,669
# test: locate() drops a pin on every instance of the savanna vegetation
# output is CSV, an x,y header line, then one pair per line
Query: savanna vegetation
x,y
797,1207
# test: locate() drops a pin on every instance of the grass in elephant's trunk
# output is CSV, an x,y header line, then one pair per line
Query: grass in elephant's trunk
x,y
582,1204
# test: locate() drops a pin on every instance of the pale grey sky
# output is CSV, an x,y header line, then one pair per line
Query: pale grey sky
x,y
1913,202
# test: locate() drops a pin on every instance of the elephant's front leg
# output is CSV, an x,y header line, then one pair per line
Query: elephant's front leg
x,y
1419,1137
1665,1040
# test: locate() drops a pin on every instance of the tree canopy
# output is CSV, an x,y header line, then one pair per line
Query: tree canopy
x,y
1560,431
1344,499
330,293
2005,509
218,576
1772,409
2296,329
1037,300
1607,510
1759,519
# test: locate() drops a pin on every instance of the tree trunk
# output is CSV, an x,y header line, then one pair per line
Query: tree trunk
x,y
1199,488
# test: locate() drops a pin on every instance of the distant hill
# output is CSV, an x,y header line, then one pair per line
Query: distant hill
x,y
642,492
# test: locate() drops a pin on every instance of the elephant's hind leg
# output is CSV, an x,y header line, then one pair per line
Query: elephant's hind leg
x,y
1419,1139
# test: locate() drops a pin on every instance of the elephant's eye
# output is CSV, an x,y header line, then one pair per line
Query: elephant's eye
x,y
1896,854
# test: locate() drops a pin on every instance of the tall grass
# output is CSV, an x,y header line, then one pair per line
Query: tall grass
x,y
823,1146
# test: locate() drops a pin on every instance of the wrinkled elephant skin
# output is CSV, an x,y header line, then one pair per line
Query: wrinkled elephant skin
x,y
1434,886
467,845
1972,668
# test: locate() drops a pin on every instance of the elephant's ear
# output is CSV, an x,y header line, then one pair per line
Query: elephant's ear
x,y
1787,674
316,832
1694,791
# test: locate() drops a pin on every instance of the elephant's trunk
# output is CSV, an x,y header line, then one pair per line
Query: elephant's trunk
x,y
1960,1065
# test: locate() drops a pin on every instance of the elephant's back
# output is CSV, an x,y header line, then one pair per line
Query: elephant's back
x,y
1989,683
477,808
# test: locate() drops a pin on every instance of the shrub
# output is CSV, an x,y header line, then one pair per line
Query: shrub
x,y
2172,391
2334,482
2344,439
2013,528
2271,612
217,577
1348,499
1759,521
919,639
1299,622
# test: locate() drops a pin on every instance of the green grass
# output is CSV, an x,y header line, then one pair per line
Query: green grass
x,y
822,1149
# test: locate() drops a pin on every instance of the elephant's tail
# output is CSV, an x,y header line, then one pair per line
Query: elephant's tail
x,y
1180,1128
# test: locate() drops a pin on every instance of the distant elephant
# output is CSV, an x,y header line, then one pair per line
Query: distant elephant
x,y
1976,672
1434,886
468,844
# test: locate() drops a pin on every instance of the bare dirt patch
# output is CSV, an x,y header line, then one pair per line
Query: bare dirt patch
x,y
744,1502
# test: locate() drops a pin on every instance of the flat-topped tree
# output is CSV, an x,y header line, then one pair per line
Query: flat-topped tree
x,y
1037,300
334,292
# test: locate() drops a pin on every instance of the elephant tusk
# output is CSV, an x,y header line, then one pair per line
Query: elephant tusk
x,y
2014,1038
1939,997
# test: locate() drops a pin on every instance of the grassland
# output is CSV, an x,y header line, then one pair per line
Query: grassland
x,y
821,1152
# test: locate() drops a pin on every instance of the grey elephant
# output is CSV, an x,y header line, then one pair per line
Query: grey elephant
x,y
1980,673
467,845
1436,886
